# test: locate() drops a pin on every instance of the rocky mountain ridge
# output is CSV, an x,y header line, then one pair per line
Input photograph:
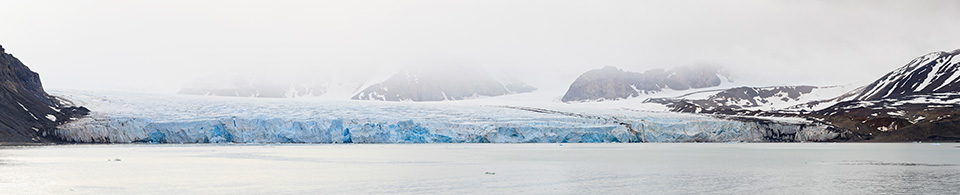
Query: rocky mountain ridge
x,y
937,72
611,83
743,100
27,112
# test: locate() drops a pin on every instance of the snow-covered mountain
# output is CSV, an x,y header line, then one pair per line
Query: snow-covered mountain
x,y
916,102
444,83
937,72
610,83
27,112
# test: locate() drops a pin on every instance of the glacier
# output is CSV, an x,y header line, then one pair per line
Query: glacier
x,y
125,117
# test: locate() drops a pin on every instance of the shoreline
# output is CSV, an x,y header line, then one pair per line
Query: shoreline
x,y
5,145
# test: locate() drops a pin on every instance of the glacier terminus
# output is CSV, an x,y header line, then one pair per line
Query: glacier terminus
x,y
122,117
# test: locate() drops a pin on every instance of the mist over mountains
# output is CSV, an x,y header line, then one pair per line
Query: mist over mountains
x,y
443,83
251,85
837,66
917,101
414,83
808,39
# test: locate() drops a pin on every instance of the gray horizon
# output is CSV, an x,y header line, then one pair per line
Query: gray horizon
x,y
160,46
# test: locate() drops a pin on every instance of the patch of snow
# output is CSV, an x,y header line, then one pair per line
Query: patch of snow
x,y
28,111
933,74
23,107
634,87
954,74
897,113
918,119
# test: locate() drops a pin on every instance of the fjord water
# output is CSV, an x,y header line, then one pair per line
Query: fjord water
x,y
681,168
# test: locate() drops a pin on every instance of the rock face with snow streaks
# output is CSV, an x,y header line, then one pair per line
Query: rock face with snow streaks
x,y
937,72
27,113
746,100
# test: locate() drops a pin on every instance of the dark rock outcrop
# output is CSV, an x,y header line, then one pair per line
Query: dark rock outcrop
x,y
441,83
908,118
610,83
27,113
740,100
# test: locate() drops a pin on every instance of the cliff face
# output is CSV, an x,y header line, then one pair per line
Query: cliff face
x,y
27,113
610,83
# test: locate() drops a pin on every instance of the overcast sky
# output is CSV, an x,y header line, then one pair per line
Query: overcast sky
x,y
161,45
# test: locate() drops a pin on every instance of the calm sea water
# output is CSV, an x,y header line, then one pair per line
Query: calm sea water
x,y
803,168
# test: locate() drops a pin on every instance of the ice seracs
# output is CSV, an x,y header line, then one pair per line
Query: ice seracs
x,y
130,117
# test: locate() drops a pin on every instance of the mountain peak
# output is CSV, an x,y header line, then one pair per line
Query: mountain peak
x,y
936,72
954,52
